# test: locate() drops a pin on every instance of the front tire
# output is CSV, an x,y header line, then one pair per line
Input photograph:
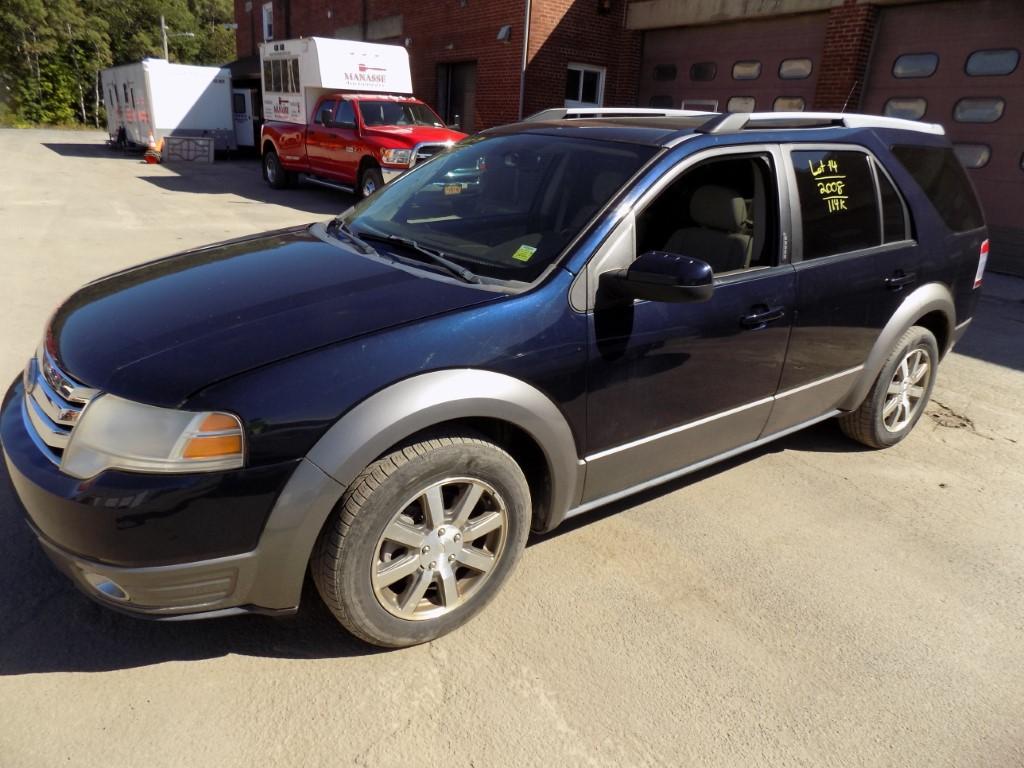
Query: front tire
x,y
370,180
423,539
900,393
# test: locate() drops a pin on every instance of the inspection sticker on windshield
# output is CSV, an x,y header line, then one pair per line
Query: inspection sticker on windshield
x,y
453,189
524,253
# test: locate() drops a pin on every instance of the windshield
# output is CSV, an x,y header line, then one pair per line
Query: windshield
x,y
398,113
504,206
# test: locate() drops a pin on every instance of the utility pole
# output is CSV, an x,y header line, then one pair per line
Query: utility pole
x,y
163,34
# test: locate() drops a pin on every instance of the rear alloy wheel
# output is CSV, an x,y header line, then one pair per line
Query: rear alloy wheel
x,y
423,539
900,393
276,176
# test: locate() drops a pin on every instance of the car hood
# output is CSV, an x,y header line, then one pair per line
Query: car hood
x,y
414,134
159,332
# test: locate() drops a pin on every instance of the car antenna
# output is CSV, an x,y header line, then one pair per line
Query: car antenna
x,y
845,103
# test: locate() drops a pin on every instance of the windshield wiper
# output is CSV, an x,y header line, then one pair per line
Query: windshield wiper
x,y
337,225
436,257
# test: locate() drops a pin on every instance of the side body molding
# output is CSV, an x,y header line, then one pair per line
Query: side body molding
x,y
928,298
420,402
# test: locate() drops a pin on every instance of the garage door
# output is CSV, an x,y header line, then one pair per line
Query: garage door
x,y
754,65
959,64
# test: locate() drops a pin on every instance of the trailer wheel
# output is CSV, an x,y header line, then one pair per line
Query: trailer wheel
x,y
276,176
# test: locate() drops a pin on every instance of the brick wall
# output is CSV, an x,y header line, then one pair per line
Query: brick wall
x,y
585,32
849,36
454,31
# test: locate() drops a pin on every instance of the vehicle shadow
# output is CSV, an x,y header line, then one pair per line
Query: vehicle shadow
x,y
48,626
994,333
244,179
820,438
93,150
238,174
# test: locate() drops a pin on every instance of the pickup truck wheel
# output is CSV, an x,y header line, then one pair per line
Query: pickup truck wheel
x,y
900,393
276,176
370,181
423,539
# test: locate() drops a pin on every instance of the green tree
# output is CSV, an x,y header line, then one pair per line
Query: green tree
x,y
51,51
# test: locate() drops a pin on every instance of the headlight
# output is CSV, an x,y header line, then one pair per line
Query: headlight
x,y
113,433
396,156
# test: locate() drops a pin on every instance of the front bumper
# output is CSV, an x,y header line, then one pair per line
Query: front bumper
x,y
390,174
169,545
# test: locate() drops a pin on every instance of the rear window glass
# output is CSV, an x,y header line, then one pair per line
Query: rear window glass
x,y
837,202
945,182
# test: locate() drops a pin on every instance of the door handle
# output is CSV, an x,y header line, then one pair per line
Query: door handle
x,y
762,317
899,280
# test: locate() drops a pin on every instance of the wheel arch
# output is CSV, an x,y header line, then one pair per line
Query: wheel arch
x,y
930,306
515,414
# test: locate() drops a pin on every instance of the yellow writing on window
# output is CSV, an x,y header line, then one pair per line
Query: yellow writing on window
x,y
831,184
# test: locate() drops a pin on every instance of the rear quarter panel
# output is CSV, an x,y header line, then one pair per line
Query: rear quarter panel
x,y
289,141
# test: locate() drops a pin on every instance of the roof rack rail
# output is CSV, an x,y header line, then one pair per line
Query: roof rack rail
x,y
737,121
576,113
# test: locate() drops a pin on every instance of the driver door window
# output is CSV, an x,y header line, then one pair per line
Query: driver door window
x,y
724,212
325,115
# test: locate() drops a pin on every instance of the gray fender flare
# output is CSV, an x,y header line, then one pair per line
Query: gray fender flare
x,y
375,425
922,301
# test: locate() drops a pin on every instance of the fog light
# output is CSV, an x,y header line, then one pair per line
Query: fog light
x,y
105,586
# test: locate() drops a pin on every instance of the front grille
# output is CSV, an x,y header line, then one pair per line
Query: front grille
x,y
426,151
52,404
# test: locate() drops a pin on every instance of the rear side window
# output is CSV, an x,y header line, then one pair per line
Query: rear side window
x,y
894,221
837,202
945,182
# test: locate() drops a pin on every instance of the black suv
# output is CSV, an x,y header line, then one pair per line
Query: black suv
x,y
551,315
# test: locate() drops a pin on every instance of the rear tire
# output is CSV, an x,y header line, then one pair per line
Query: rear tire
x,y
273,172
900,393
423,539
370,180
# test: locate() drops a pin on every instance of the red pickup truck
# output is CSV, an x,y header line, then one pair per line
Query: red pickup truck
x,y
355,142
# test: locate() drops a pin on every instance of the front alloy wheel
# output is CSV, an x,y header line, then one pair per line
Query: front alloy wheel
x,y
439,549
423,539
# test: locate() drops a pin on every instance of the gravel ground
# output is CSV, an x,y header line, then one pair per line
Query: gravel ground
x,y
809,604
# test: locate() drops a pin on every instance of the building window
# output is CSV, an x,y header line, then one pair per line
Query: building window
x,y
978,110
995,62
746,70
915,65
701,105
665,72
703,71
660,102
741,104
906,107
789,104
584,86
795,69
973,155
268,21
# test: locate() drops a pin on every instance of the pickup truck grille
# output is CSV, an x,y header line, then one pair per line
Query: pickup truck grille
x,y
426,151
52,405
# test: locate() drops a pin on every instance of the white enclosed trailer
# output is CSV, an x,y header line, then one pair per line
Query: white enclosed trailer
x,y
296,73
154,99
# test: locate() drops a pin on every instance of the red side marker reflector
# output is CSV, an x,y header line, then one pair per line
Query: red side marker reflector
x,y
982,261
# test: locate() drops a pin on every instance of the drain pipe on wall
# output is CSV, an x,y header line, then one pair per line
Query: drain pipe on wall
x,y
526,54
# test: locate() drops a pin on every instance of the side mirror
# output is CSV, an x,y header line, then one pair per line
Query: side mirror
x,y
662,276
